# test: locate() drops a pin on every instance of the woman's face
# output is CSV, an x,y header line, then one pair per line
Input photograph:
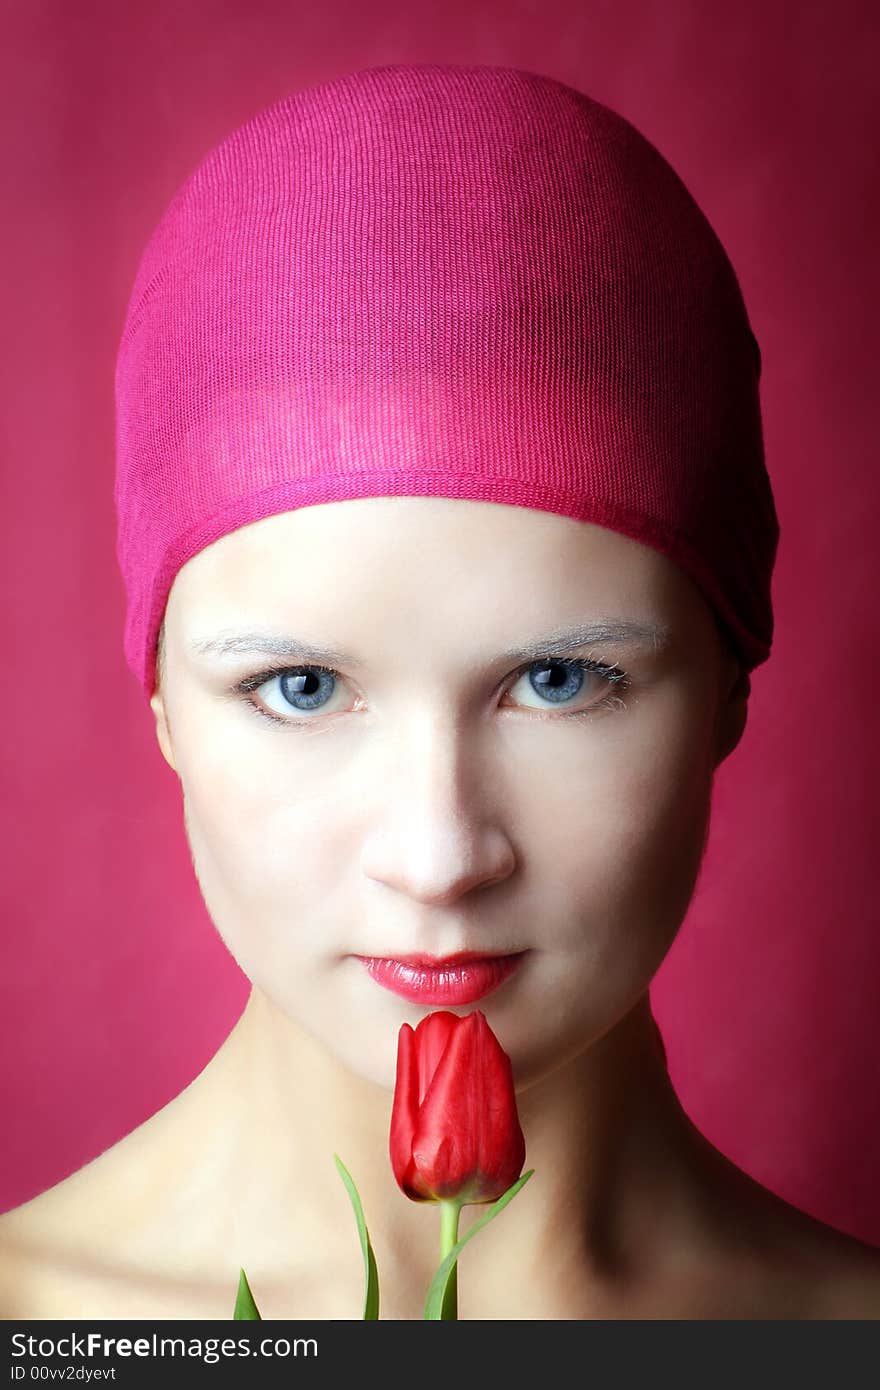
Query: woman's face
x,y
438,788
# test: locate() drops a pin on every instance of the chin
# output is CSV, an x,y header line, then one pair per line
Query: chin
x,y
376,1065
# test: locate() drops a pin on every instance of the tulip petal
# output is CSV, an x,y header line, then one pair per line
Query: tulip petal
x,y
501,1146
467,1141
455,1131
444,1139
404,1112
432,1036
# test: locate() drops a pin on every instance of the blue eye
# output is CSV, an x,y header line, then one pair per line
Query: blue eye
x,y
560,680
309,688
553,680
556,681
300,689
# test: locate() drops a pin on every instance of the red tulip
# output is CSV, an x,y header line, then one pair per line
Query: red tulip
x,y
455,1132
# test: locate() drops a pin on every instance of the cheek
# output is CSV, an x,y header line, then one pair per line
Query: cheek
x,y
622,838
615,851
264,843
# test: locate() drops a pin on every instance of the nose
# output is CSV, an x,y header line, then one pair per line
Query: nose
x,y
434,834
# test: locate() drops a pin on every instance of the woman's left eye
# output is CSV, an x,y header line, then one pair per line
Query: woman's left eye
x,y
561,681
552,681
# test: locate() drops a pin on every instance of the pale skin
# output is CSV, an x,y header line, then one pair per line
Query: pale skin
x,y
435,801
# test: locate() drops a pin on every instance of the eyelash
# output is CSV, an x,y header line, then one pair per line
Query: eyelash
x,y
618,681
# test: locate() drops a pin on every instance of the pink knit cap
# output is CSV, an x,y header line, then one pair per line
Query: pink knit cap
x,y
441,280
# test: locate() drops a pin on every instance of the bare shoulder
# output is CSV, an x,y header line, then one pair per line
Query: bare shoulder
x,y
145,1229
762,1257
63,1235
841,1274
127,1219
798,1266
106,1226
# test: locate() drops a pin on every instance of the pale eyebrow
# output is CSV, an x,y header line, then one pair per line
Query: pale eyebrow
x,y
564,640
559,642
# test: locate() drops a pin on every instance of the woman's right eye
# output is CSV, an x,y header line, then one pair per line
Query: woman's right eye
x,y
299,690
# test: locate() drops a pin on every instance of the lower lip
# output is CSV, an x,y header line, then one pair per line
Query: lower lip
x,y
461,983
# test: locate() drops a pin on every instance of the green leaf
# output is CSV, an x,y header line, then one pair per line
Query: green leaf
x,y
245,1307
371,1274
437,1291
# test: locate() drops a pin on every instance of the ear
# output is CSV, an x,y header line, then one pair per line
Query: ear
x,y
163,733
733,709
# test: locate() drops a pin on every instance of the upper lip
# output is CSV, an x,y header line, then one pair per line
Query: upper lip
x,y
439,962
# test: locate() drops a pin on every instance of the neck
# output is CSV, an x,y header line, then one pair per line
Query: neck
x,y
615,1159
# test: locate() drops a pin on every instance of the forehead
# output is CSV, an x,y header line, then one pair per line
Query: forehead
x,y
439,530
429,560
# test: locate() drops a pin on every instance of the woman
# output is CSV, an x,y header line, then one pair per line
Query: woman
x,y
448,539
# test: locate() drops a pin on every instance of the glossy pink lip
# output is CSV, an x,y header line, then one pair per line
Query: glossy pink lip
x,y
458,979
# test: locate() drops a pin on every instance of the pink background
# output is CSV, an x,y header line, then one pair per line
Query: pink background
x,y
116,990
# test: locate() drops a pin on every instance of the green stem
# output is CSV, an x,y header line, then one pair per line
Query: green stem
x,y
449,1214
